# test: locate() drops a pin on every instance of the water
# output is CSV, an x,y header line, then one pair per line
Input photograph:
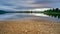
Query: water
x,y
14,16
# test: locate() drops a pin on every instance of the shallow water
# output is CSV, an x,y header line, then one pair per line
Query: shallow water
x,y
14,16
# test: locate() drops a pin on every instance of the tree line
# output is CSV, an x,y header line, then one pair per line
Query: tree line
x,y
57,10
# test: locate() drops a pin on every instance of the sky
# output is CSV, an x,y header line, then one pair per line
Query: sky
x,y
16,5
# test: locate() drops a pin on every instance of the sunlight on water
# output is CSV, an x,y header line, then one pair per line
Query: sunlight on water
x,y
39,14
14,16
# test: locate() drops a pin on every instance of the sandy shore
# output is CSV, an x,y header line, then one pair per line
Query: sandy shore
x,y
30,26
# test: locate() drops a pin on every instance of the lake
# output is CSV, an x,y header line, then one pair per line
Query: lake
x,y
16,16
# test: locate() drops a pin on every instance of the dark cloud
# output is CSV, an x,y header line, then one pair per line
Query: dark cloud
x,y
28,4
8,4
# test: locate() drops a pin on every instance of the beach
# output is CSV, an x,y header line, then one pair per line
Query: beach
x,y
29,26
29,16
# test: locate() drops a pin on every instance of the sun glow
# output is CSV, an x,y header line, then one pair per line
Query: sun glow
x,y
42,9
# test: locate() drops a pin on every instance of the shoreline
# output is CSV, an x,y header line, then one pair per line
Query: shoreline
x,y
29,26
46,19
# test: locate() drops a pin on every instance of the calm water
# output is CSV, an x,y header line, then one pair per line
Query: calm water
x,y
14,16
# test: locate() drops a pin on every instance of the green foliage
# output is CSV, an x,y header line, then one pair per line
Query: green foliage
x,y
57,10
53,12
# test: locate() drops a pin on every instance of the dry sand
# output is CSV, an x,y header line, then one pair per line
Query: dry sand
x,y
32,26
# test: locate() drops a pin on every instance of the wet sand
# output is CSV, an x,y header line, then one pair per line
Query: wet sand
x,y
29,26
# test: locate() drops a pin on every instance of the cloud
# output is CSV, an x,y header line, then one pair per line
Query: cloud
x,y
28,4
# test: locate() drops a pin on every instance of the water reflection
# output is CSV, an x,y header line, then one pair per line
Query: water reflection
x,y
53,15
14,16
39,14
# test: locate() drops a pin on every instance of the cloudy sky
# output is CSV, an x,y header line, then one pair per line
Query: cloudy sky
x,y
28,4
